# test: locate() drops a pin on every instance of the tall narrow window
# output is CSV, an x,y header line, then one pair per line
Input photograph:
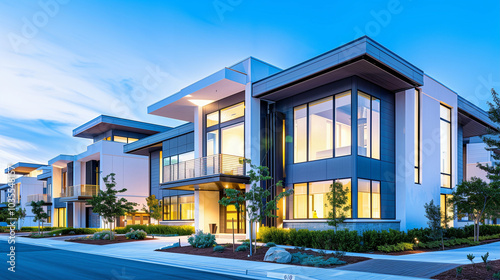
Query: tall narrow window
x,y
368,126
319,207
161,167
212,142
321,129
445,127
300,201
343,124
369,199
300,134
346,184
417,137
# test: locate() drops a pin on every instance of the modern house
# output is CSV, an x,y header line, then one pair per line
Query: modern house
x,y
359,114
28,189
75,178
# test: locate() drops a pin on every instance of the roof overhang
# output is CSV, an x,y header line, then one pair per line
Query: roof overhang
x,y
155,142
362,57
105,123
23,168
182,105
61,160
474,120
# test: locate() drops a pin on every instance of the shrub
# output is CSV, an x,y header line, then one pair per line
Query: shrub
x,y
136,234
219,248
75,231
242,248
202,240
103,235
400,247
317,261
159,229
271,244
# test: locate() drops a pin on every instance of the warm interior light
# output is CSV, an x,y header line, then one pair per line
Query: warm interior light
x,y
200,102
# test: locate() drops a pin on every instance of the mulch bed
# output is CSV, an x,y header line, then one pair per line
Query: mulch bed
x,y
258,256
432,250
118,239
470,272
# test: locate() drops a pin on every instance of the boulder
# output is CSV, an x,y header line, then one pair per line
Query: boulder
x,y
278,255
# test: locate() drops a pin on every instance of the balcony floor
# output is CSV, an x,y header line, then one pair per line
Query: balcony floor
x,y
214,182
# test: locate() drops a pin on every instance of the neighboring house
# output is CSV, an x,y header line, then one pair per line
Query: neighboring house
x,y
75,178
358,114
29,189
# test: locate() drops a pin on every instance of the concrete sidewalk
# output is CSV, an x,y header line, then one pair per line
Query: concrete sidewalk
x,y
143,251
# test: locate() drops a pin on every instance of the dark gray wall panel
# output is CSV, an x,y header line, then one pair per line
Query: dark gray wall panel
x,y
155,173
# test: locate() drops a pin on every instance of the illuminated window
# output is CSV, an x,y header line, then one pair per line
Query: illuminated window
x,y
368,126
346,184
445,208
319,207
368,199
445,127
186,156
233,140
178,208
161,166
321,129
310,200
300,133
343,124
417,137
232,112
212,142
60,217
300,201
122,139
213,119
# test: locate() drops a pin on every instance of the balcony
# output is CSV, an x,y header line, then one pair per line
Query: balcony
x,y
79,193
47,199
213,172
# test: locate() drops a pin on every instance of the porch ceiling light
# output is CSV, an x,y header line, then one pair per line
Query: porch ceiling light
x,y
200,102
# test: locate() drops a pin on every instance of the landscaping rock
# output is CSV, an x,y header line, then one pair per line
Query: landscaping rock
x,y
278,255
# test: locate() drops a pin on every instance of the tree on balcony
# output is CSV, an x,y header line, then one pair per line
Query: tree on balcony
x,y
153,207
107,204
40,215
259,205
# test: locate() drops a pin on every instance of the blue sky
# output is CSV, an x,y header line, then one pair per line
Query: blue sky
x,y
64,64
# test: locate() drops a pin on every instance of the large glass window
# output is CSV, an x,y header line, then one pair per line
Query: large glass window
x,y
178,207
445,127
212,142
368,126
300,201
300,134
60,217
314,128
321,129
417,137
233,140
446,208
122,139
343,124
310,200
232,112
213,119
319,207
369,199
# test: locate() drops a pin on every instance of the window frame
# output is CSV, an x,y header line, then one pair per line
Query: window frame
x,y
372,97
450,147
334,120
371,199
307,198
220,125
178,208
418,130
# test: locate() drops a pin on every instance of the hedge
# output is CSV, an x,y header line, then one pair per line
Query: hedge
x,y
75,230
159,229
370,240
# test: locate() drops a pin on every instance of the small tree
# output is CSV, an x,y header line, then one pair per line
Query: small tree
x,y
338,201
153,207
478,199
437,221
40,215
20,215
258,204
107,204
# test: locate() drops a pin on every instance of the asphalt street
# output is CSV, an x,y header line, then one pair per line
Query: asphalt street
x,y
38,263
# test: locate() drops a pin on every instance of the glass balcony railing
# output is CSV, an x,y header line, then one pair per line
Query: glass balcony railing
x,y
205,166
80,190
39,197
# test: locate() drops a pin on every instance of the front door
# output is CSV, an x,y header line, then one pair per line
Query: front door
x,y
231,218
93,220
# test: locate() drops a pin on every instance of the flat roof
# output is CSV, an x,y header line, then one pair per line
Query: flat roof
x,y
474,120
105,123
23,167
362,57
143,146
61,160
